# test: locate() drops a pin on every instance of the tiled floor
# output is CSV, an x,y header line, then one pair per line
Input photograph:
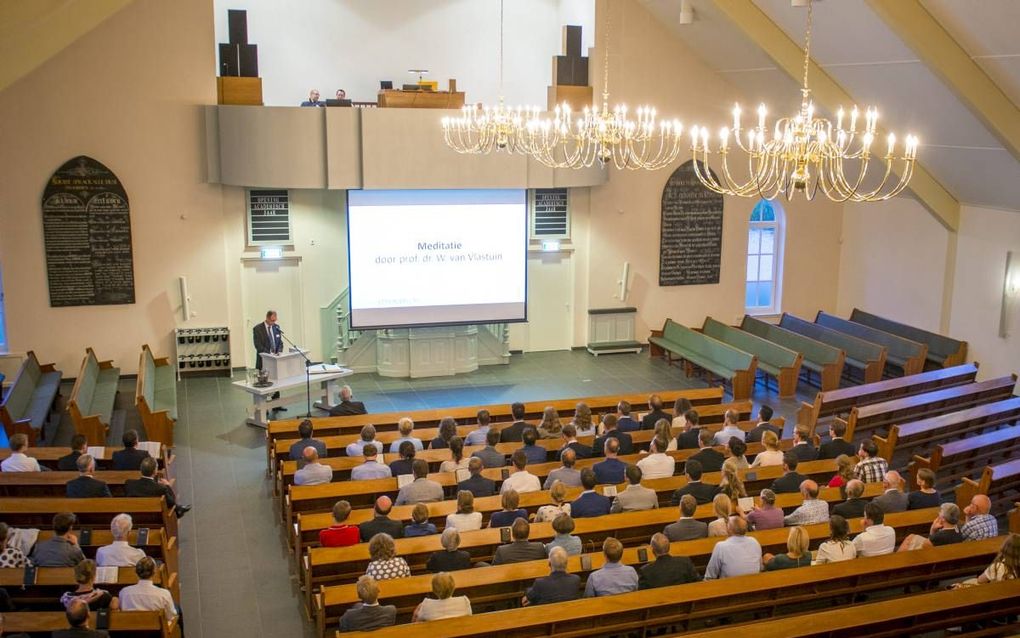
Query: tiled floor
x,y
237,578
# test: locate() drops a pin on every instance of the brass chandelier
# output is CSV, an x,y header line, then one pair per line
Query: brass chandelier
x,y
804,153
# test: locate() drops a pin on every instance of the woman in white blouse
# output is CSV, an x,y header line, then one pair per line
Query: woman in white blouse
x,y
445,604
558,494
838,547
466,518
772,455
458,462
680,409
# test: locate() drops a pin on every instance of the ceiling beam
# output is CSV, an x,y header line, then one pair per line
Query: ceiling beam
x,y
789,57
941,53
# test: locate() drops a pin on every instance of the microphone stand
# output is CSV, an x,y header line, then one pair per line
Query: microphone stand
x,y
308,374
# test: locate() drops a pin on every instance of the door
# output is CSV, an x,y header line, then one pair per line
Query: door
x,y
550,302
272,284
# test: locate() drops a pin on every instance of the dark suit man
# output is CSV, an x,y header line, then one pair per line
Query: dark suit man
x,y
710,459
558,586
85,486
514,432
853,506
151,485
347,406
687,527
624,422
702,492
267,337
476,483
802,447
313,99
130,458
666,570
69,463
836,445
77,613
381,522
611,471
763,426
520,549
611,431
789,483
581,451
590,503
649,420
368,614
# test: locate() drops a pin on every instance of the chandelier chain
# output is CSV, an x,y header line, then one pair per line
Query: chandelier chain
x,y
807,48
605,57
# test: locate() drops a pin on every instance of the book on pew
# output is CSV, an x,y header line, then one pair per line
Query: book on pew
x,y
404,479
463,474
96,451
106,575
152,447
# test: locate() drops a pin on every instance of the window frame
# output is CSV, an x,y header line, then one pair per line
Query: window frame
x,y
779,243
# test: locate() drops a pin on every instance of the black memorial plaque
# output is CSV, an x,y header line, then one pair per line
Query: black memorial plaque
x,y
87,234
690,244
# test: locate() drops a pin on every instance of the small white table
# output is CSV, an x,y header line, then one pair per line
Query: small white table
x,y
325,392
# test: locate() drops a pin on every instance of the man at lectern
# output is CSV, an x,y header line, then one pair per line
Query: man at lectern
x,y
268,338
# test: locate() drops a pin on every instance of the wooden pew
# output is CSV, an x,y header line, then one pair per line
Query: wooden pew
x,y
953,460
335,565
53,484
903,353
160,545
156,396
921,614
51,582
946,427
123,624
841,400
342,465
49,456
27,404
95,513
320,498
1000,482
868,418
499,584
774,360
861,355
943,352
336,445
711,355
92,398
766,594
821,358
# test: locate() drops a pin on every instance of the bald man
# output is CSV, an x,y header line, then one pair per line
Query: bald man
x,y
381,522
980,524
812,510
893,500
77,612
313,472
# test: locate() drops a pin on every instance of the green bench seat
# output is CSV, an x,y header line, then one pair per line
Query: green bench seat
x,y
823,359
707,353
774,360
29,401
862,355
901,353
93,397
156,396
943,351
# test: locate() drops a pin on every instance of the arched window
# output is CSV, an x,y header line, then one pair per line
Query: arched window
x,y
764,258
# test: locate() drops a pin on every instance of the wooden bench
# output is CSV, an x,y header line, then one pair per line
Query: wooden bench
x,y
943,352
51,582
690,605
868,418
947,427
824,360
902,353
840,400
27,405
92,398
54,484
1000,482
501,584
94,513
954,460
711,355
774,360
861,355
921,614
50,456
123,624
156,396
159,545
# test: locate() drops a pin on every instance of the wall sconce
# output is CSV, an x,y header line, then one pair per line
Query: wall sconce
x,y
1010,291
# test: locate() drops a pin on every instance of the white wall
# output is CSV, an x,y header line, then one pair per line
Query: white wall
x,y
353,44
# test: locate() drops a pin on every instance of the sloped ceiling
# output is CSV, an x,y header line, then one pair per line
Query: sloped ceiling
x,y
870,61
33,31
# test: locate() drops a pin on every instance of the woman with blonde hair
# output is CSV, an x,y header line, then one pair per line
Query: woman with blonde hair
x,y
797,553
457,459
731,485
550,427
844,471
772,455
465,518
582,420
723,508
384,564
558,494
664,430
445,604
